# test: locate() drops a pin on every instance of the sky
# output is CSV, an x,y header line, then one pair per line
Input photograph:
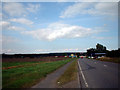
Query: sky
x,y
43,27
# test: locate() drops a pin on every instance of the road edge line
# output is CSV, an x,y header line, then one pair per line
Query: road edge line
x,y
86,84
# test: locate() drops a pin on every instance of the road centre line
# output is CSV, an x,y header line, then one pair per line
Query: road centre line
x,y
86,84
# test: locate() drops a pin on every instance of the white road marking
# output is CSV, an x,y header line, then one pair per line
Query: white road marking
x,y
82,75
105,65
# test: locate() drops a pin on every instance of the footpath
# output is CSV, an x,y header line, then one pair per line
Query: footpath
x,y
50,80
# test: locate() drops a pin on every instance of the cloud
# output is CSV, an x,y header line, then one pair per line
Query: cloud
x,y
12,44
59,50
63,0
8,39
22,21
1,16
4,23
15,28
97,0
33,8
19,9
8,26
87,0
104,9
14,9
59,30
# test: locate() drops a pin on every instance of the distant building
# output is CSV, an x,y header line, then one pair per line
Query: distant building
x,y
100,54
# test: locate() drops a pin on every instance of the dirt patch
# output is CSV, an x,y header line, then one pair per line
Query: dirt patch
x,y
72,84
27,59
18,66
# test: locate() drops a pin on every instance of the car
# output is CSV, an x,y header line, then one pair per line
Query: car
x,y
81,57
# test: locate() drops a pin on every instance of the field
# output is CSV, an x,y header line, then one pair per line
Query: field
x,y
22,73
27,59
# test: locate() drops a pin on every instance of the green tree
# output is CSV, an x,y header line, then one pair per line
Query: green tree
x,y
100,48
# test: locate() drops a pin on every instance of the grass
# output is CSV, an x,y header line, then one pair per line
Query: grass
x,y
69,75
9,64
108,59
25,77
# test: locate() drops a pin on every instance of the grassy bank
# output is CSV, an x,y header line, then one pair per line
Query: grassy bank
x,y
8,65
108,59
26,76
69,75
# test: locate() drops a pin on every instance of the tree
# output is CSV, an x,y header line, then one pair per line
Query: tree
x,y
90,51
100,48
113,53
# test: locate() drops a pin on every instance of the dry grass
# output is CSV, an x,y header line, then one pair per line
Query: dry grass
x,y
109,59
69,75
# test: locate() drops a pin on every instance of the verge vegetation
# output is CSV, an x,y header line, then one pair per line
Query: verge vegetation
x,y
28,75
110,59
69,75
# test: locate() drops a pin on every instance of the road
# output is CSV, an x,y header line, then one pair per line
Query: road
x,y
97,74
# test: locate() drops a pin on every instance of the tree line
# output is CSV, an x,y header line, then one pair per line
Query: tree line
x,y
102,49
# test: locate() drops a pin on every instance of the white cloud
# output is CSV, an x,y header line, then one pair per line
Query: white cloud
x,y
59,50
8,39
59,30
15,28
7,26
4,24
19,9
14,9
22,21
106,9
33,8
98,0
62,0
1,16
74,10
12,44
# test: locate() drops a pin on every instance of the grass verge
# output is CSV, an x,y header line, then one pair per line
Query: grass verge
x,y
10,64
18,64
69,75
108,59
25,77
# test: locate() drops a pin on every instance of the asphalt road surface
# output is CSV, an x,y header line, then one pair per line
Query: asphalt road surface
x,y
97,74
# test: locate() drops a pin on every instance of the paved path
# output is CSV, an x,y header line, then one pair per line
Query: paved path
x,y
98,74
50,80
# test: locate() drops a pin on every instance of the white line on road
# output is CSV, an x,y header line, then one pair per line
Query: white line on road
x,y
105,65
82,75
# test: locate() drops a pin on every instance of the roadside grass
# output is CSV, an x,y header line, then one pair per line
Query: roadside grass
x,y
25,77
69,75
108,59
9,64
